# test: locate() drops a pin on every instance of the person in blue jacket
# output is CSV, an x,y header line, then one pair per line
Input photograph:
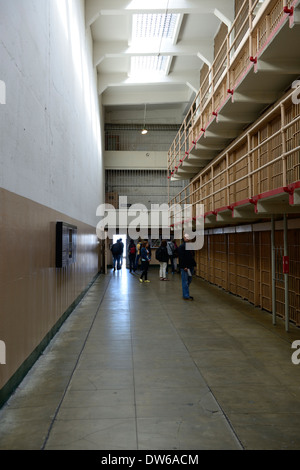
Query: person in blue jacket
x,y
145,260
187,265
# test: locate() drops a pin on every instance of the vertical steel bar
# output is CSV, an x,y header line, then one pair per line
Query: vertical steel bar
x,y
273,258
283,135
250,193
286,275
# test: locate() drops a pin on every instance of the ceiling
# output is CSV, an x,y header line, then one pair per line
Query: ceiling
x,y
165,98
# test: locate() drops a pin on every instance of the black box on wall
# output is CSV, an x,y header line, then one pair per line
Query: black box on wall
x,y
66,235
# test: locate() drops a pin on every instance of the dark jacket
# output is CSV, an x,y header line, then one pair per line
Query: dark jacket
x,y
116,249
132,249
186,257
121,247
162,254
145,254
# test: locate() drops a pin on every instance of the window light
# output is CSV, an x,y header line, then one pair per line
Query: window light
x,y
153,26
148,64
150,30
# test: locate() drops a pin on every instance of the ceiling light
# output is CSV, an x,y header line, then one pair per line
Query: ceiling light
x,y
144,130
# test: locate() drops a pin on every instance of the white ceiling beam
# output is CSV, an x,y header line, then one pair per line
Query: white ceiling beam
x,y
177,28
225,14
113,79
193,81
168,66
190,79
206,53
137,97
121,49
205,59
95,8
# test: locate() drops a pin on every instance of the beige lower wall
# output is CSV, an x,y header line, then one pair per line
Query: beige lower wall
x,y
34,294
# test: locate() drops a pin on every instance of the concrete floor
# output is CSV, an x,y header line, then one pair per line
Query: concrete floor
x,y
136,367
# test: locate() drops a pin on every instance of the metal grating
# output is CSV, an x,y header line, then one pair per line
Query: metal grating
x,y
139,186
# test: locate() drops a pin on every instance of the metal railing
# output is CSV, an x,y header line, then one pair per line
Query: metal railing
x,y
253,24
264,158
124,138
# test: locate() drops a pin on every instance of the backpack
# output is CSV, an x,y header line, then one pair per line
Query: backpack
x,y
170,248
158,254
115,249
132,250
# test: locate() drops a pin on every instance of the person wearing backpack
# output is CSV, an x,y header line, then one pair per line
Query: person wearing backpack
x,y
145,260
116,254
121,249
138,253
131,255
187,265
171,251
175,257
162,256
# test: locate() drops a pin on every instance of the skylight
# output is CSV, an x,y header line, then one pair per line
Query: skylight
x,y
153,26
141,65
150,30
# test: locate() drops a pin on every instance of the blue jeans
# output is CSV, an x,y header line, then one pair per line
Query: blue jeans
x,y
186,280
117,261
144,268
171,259
137,261
131,263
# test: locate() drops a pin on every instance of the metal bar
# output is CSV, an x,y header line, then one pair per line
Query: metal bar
x,y
214,69
281,157
286,276
273,258
283,132
255,127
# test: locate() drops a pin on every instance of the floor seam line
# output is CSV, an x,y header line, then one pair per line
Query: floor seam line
x,y
133,378
192,360
74,368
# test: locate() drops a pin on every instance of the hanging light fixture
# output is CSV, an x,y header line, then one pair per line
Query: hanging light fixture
x,y
144,130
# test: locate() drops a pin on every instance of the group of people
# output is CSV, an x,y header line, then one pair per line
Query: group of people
x,y
167,251
139,253
117,254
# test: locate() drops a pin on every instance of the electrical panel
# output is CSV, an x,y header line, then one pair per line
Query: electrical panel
x,y
66,235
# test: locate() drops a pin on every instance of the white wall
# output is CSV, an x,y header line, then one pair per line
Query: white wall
x,y
50,144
